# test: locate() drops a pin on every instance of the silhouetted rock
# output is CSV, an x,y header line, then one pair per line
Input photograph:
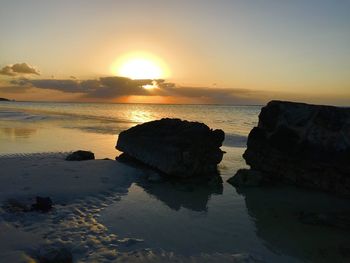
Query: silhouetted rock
x,y
3,99
80,156
302,144
246,178
174,147
43,204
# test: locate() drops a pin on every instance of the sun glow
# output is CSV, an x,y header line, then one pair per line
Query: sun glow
x,y
140,66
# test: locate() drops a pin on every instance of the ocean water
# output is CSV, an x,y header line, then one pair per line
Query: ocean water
x,y
27,127
186,221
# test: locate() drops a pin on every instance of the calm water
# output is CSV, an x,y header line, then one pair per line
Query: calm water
x,y
185,220
40,127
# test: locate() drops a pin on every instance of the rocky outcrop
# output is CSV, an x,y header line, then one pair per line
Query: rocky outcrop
x,y
174,147
302,144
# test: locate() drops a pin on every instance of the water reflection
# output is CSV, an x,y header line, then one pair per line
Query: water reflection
x,y
140,116
177,195
277,212
14,133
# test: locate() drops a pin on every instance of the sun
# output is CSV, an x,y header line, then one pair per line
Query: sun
x,y
139,66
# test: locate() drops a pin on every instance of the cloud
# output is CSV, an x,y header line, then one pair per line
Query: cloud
x,y
115,87
111,88
18,69
104,87
65,85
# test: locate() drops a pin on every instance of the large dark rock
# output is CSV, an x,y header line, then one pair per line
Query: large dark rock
x,y
302,144
174,147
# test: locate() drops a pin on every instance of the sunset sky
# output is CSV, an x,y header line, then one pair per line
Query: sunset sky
x,y
232,52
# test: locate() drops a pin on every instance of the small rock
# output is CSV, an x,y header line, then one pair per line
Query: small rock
x,y
43,204
80,156
246,177
15,206
55,255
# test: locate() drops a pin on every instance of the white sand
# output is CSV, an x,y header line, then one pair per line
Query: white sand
x,y
79,190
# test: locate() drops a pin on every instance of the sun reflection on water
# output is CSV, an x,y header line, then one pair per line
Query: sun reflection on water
x,y
140,116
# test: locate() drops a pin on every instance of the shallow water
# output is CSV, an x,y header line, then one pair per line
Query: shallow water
x,y
188,220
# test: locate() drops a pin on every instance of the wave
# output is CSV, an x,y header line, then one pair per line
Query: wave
x,y
37,115
20,116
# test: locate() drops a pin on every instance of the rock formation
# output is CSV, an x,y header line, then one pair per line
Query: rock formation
x,y
306,145
174,147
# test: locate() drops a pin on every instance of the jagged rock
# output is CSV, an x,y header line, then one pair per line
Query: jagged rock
x,y
303,144
43,204
174,147
80,156
246,178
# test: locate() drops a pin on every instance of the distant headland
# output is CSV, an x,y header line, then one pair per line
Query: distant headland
x,y
3,99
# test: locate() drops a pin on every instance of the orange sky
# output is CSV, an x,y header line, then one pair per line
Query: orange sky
x,y
247,52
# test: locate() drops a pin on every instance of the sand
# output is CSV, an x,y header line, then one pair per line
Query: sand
x,y
80,191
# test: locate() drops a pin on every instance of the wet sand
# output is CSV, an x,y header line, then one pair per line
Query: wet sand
x,y
108,211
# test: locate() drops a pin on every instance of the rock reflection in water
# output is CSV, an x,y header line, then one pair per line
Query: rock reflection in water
x,y
190,195
167,215
277,218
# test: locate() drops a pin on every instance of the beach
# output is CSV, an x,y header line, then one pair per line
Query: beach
x,y
108,211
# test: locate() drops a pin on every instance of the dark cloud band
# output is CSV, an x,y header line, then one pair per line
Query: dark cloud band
x,y
114,87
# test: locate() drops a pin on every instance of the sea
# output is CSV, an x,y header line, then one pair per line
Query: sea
x,y
261,222
27,127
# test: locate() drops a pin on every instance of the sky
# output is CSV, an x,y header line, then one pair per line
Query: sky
x,y
222,51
